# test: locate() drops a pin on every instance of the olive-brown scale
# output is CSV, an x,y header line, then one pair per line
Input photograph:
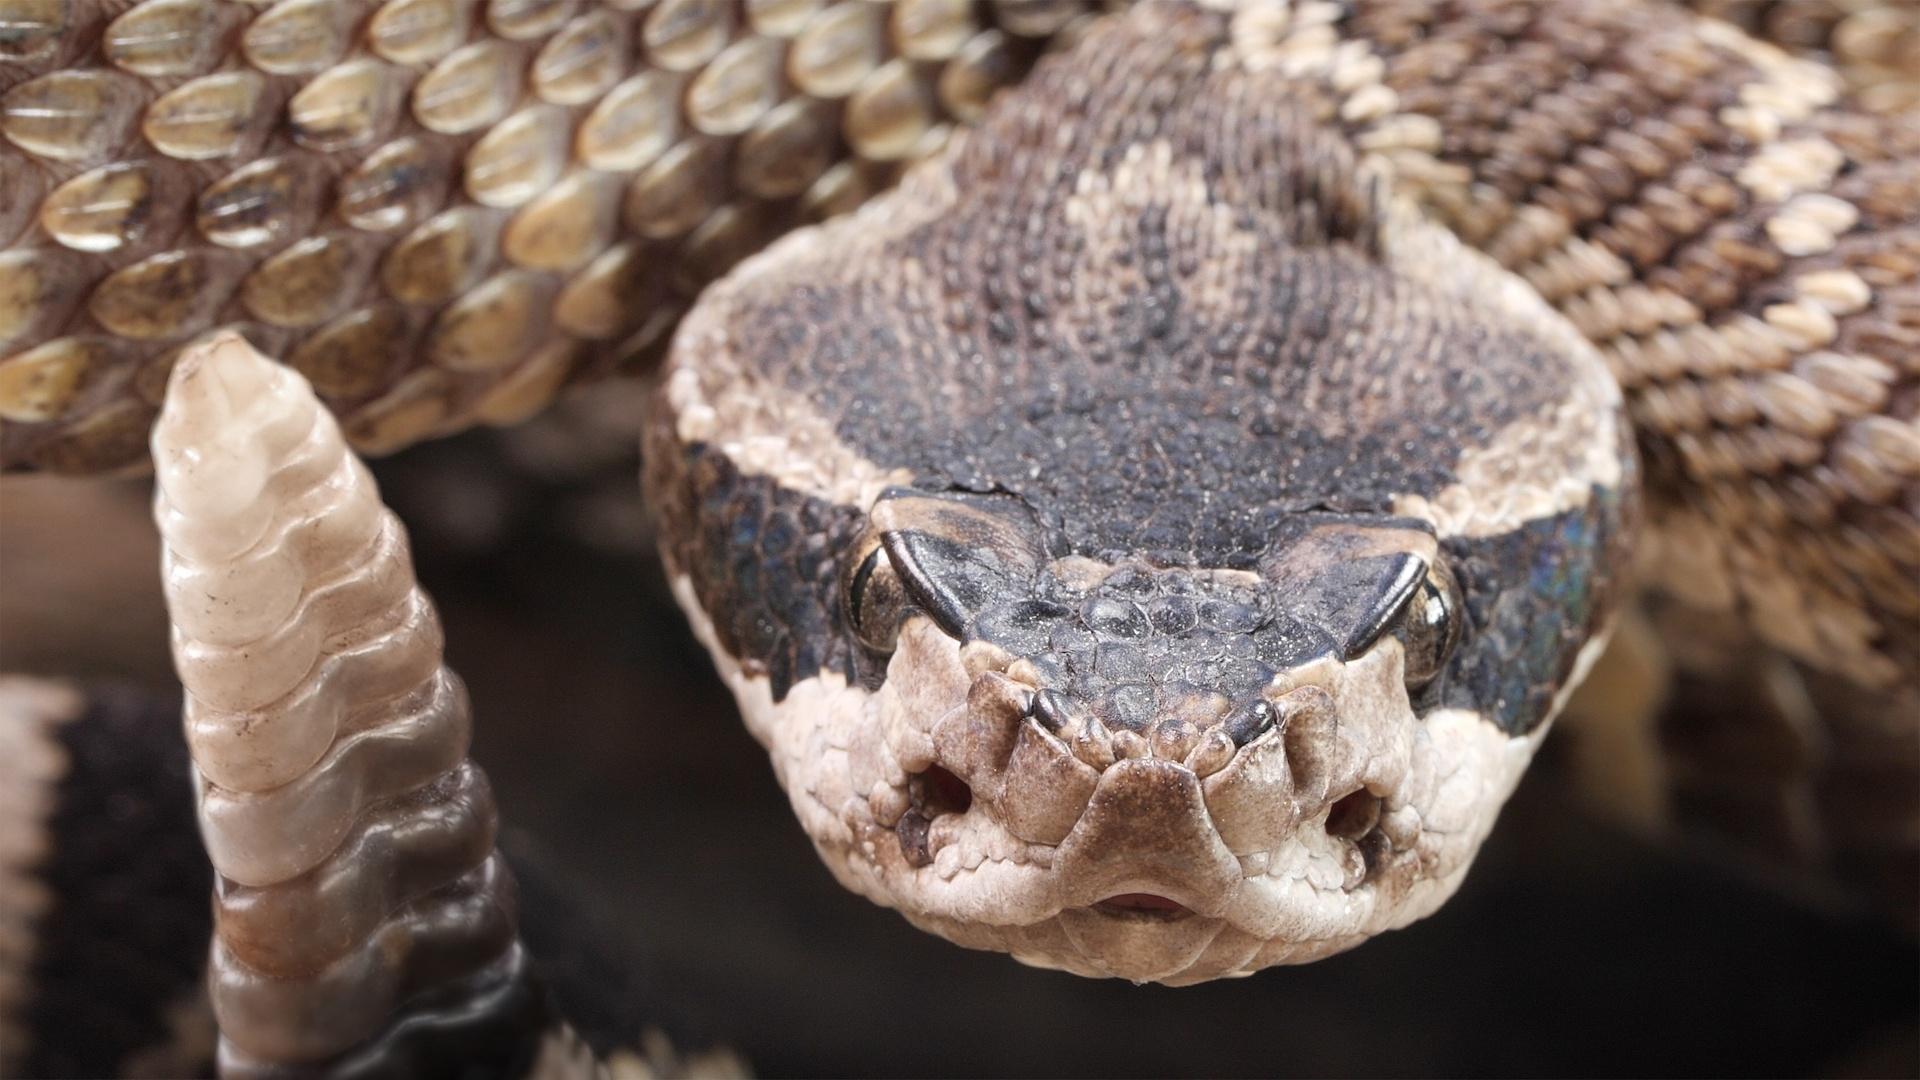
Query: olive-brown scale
x,y
439,211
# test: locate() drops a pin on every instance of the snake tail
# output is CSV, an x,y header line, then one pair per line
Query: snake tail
x,y
364,922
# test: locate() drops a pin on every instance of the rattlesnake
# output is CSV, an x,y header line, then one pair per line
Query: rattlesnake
x,y
1152,540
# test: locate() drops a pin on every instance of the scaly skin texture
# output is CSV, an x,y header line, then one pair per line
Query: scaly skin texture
x,y
103,886
529,193
1745,250
438,211
1742,241
1737,240
1082,323
1746,254
1874,43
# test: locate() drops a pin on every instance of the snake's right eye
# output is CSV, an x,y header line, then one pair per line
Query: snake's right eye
x,y
1430,625
872,598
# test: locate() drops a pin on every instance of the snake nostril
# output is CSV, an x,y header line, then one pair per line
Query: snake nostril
x,y
1355,818
1354,815
930,794
940,792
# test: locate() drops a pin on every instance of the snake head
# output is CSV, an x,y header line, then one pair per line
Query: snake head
x,y
1141,556
1158,771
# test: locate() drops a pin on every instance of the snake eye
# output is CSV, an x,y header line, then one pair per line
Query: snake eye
x,y
1430,626
872,598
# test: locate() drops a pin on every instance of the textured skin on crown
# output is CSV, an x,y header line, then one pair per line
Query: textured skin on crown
x,y
1167,344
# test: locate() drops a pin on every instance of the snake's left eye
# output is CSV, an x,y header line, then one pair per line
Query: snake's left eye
x,y
871,597
1430,626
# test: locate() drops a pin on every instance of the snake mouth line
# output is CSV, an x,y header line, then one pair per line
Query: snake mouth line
x,y
1142,907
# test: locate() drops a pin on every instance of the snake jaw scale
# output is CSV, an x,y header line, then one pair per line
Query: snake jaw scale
x,y
1093,744
1212,753
981,657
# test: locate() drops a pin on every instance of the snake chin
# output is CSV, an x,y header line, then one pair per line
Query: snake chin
x,y
1152,858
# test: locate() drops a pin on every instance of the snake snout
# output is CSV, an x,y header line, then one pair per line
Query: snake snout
x,y
1203,782
1214,830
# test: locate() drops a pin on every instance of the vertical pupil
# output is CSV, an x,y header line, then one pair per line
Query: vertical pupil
x,y
873,602
1428,630
1433,608
857,588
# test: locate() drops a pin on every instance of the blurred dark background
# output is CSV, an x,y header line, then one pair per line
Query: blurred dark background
x,y
642,810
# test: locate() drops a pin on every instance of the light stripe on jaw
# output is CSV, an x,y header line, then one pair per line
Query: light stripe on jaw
x,y
766,430
1566,456
819,695
1575,448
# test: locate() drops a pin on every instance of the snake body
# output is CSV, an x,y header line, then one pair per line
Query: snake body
x,y
103,890
438,211
1152,540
